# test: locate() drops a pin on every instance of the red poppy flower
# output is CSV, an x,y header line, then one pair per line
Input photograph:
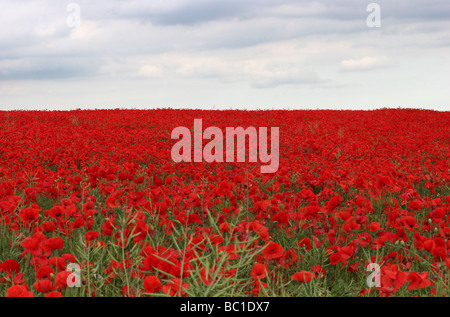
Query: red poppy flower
x,y
206,275
259,271
48,226
55,243
29,214
174,287
107,228
342,254
45,272
70,258
334,202
290,257
127,291
392,278
409,222
418,280
440,253
11,267
374,226
58,262
302,276
57,212
415,205
43,286
273,251
61,279
365,291
224,227
152,284
91,235
383,181
305,243
34,244
318,271
281,217
19,291
78,223
257,286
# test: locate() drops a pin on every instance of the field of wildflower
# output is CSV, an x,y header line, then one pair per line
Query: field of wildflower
x,y
92,204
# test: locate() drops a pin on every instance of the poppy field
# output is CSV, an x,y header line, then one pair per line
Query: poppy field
x,y
92,204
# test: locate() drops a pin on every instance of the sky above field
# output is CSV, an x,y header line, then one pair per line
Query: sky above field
x,y
222,54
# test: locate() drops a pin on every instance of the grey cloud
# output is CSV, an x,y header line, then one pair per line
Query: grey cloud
x,y
201,12
198,12
42,68
415,9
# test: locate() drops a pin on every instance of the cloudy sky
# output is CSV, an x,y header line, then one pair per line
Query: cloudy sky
x,y
216,54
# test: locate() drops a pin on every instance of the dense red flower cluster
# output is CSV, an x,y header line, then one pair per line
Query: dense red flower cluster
x,y
99,189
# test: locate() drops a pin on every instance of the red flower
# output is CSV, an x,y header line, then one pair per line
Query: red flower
x,y
174,287
305,243
440,253
91,235
224,227
290,257
43,286
57,212
273,251
383,181
58,262
54,243
392,278
438,214
206,275
48,226
61,279
11,267
318,271
257,285
334,202
107,228
374,226
152,284
127,291
418,280
342,255
415,205
437,247
19,291
302,276
45,272
259,271
409,222
29,214
281,217
365,291
78,223
34,244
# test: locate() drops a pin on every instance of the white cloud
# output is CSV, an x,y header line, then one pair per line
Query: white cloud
x,y
365,63
86,30
150,71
